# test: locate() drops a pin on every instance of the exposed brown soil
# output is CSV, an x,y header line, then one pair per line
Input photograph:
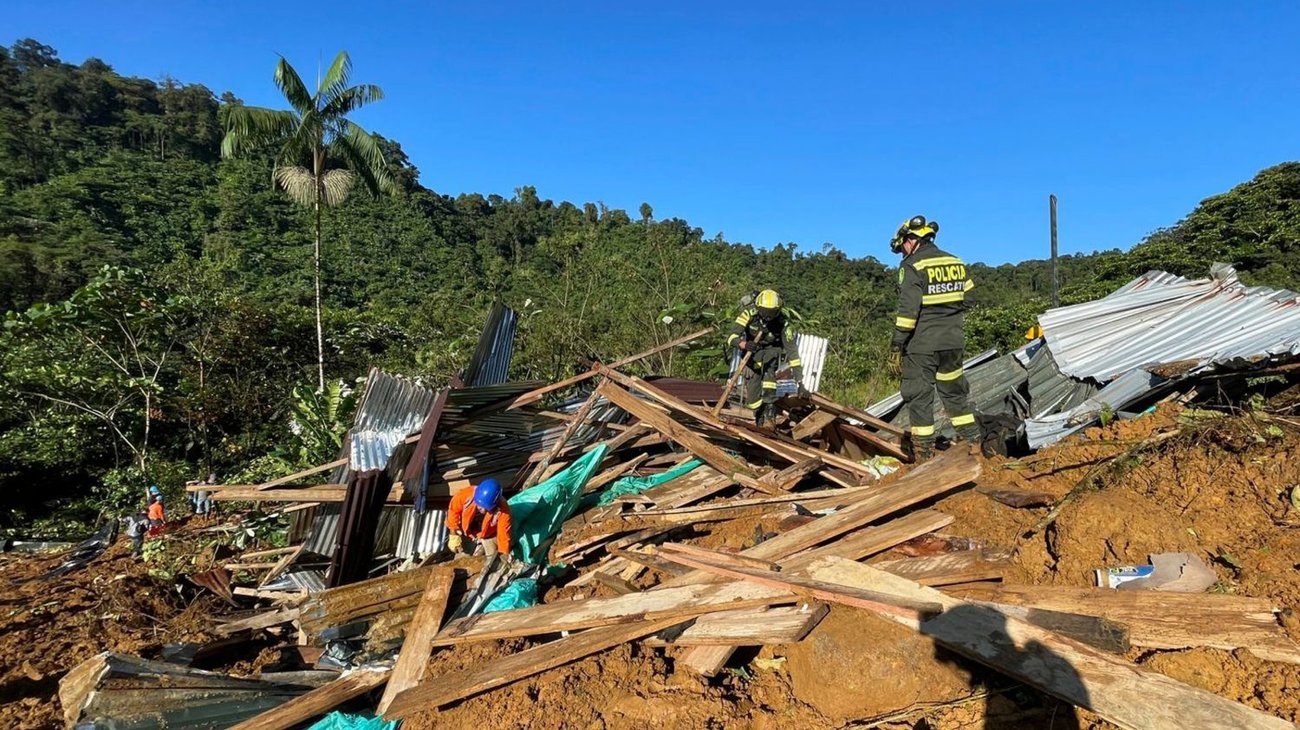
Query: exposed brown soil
x,y
49,626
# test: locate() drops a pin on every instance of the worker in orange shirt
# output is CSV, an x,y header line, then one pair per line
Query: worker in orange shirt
x,y
157,517
482,514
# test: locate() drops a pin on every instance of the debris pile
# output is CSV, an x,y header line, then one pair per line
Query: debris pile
x,y
665,548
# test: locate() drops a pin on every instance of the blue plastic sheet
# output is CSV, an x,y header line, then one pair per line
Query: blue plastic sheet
x,y
343,721
521,593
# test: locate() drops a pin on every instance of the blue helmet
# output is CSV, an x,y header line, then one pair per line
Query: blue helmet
x,y
153,489
486,494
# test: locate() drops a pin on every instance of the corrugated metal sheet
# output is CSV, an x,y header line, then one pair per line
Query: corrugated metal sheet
x,y
1122,391
1051,391
890,403
322,535
1159,318
422,534
391,409
812,354
496,345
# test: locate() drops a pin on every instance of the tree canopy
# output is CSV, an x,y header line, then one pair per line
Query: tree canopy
x,y
114,189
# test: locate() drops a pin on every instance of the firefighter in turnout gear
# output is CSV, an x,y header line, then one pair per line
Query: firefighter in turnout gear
x,y
762,329
926,349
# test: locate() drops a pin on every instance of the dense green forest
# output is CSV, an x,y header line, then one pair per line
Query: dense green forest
x,y
159,297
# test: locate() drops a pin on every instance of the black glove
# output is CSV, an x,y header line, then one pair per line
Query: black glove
x,y
895,363
803,392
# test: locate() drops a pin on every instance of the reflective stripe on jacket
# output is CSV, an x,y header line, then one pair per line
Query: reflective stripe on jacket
x,y
932,289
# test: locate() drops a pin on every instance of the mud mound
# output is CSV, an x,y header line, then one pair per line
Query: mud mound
x,y
1219,490
49,626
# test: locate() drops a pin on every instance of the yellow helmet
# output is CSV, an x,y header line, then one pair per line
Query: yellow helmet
x,y
768,303
917,226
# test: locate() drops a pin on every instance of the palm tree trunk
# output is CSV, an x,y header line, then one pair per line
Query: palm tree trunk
x,y
320,335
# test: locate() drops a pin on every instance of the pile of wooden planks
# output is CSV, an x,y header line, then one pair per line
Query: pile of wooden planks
x,y
815,527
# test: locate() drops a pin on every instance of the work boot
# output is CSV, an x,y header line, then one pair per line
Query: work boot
x,y
970,435
922,449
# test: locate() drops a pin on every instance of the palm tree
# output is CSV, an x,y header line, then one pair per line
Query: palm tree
x,y
320,153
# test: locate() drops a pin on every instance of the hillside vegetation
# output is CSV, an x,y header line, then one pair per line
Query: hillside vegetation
x,y
159,297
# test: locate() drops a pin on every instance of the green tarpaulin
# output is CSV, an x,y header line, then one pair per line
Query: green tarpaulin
x,y
341,721
637,485
536,514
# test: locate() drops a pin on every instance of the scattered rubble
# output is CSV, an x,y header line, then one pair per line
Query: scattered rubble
x,y
693,570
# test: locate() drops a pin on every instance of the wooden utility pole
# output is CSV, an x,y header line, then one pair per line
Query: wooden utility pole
x,y
1056,274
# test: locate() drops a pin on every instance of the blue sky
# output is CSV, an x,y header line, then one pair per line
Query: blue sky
x,y
772,122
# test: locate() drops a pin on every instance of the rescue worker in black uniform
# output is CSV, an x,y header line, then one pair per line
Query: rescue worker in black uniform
x,y
763,329
926,349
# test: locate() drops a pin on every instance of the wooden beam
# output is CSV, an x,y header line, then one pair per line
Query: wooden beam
x,y
826,404
318,493
269,553
750,627
1115,689
533,396
613,473
688,439
871,540
316,702
782,446
966,566
578,419
812,424
282,564
933,478
1159,620
724,558
449,688
889,447
416,647
262,620
676,603
789,477
305,472
832,592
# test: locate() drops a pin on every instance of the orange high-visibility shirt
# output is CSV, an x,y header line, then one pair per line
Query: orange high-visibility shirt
x,y
156,511
466,517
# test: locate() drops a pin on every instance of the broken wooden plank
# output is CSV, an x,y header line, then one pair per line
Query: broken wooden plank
x,y
789,477
846,595
446,689
889,447
537,394
1113,688
688,439
269,553
937,476
681,603
718,556
613,473
826,404
965,566
1160,620
871,540
578,419
304,473
281,565
749,627
316,702
318,493
812,424
1099,633
262,620
416,647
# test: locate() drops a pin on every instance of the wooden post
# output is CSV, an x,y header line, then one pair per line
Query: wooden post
x,y
731,383
1056,274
